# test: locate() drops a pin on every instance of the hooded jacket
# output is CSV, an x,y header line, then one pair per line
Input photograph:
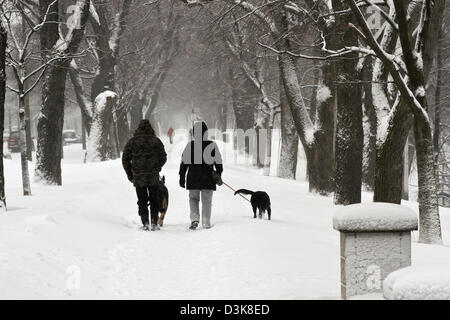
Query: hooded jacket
x,y
144,156
200,158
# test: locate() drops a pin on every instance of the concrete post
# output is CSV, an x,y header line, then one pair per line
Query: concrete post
x,y
375,240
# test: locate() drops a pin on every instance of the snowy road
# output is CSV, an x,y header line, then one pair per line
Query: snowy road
x,y
90,225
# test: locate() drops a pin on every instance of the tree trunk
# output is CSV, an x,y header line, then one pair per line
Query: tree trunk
x,y
437,99
268,152
155,92
136,113
3,38
318,144
23,144
123,130
83,132
29,140
51,119
287,166
83,100
318,173
349,131
405,191
369,128
98,142
262,137
389,164
429,221
222,116
321,171
104,79
113,141
411,150
50,125
244,111
389,158
389,150
115,134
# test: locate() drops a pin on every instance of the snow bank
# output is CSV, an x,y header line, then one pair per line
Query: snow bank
x,y
427,282
374,217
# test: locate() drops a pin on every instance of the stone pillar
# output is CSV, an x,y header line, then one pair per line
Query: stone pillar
x,y
375,241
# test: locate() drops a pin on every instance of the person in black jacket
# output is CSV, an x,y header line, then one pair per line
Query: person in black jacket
x,y
201,160
143,157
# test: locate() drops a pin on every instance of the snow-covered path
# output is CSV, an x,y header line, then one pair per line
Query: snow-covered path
x,y
91,225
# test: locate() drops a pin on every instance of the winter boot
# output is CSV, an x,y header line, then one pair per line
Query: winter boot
x,y
194,225
144,219
155,227
145,222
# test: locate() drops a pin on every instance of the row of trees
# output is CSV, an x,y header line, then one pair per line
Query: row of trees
x,y
56,45
352,91
392,94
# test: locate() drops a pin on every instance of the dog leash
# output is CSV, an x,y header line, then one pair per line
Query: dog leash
x,y
235,191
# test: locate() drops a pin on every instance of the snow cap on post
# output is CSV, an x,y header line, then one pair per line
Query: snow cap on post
x,y
376,216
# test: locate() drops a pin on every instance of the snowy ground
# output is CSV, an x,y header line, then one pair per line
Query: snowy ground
x,y
91,225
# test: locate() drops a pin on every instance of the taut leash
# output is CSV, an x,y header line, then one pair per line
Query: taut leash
x,y
235,191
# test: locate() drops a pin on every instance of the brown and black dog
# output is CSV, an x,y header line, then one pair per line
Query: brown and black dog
x,y
163,200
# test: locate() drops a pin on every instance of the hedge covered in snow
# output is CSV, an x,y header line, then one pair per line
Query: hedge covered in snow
x,y
428,282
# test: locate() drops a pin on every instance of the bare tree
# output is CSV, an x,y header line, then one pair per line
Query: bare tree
x,y
254,72
130,73
59,48
416,62
154,67
108,34
19,58
316,137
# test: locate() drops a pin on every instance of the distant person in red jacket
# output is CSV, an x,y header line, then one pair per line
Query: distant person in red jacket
x,y
170,134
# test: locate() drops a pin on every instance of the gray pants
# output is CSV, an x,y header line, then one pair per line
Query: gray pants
x,y
194,204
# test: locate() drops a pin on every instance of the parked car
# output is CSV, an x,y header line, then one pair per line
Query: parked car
x,y
14,141
70,137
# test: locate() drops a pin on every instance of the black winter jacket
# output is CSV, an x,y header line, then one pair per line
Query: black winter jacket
x,y
199,160
143,157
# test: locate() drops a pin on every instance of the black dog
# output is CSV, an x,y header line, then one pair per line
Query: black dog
x,y
260,200
163,200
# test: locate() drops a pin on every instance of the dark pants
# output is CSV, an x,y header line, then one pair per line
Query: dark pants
x,y
145,195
